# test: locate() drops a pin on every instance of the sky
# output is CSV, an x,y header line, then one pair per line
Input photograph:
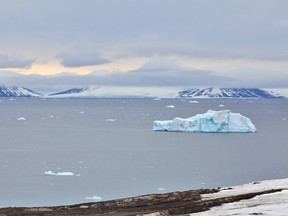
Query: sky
x,y
52,45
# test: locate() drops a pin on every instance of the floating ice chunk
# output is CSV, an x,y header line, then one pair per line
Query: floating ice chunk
x,y
221,105
94,198
194,102
170,106
21,119
157,99
50,173
110,120
82,112
213,121
161,189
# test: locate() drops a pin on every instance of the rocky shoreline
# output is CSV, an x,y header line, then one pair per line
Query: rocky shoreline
x,y
174,203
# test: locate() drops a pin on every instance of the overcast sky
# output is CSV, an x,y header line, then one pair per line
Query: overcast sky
x,y
184,43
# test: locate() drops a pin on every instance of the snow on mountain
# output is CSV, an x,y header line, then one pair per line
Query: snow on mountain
x,y
73,91
117,92
17,92
161,92
213,92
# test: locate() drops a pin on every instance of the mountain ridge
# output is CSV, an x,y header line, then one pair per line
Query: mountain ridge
x,y
138,92
213,92
14,91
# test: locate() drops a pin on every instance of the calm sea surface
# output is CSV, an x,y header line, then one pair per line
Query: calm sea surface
x,y
122,158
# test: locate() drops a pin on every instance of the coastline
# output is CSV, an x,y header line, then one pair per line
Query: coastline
x,y
192,202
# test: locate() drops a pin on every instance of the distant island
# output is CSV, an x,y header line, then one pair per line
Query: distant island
x,y
98,92
213,92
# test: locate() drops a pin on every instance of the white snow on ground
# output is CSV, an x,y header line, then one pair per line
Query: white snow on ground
x,y
275,204
282,92
50,173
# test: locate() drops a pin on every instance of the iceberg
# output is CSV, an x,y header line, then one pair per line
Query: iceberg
x,y
223,121
170,106
50,173
110,120
94,198
194,102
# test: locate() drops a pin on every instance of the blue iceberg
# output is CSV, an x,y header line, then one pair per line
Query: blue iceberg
x,y
223,121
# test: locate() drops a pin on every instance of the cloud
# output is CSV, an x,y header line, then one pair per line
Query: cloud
x,y
14,62
195,52
163,73
194,29
155,73
80,58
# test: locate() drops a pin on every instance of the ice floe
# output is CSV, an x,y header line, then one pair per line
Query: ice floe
x,y
50,173
223,121
170,106
21,119
110,120
221,105
94,198
194,102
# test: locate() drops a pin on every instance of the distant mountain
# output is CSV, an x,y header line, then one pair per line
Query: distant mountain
x,y
227,93
71,91
101,92
17,92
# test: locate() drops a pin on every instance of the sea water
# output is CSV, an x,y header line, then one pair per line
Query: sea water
x,y
110,147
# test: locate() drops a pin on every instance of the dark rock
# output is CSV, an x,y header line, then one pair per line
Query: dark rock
x,y
175,203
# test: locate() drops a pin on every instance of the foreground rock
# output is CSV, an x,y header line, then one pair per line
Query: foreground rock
x,y
256,198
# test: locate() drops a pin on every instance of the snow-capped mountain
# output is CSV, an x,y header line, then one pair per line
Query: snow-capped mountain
x,y
71,91
103,92
213,92
17,92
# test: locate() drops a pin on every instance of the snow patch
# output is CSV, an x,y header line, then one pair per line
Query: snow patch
x,y
267,204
